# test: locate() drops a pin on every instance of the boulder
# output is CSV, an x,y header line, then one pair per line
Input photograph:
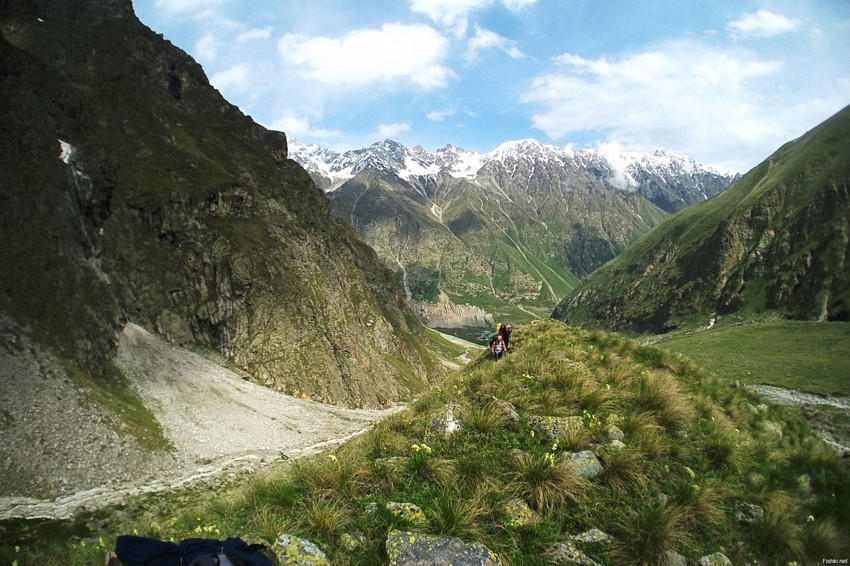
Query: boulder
x,y
568,553
519,513
406,548
591,536
614,432
294,551
673,558
557,428
446,422
716,559
409,512
748,513
584,463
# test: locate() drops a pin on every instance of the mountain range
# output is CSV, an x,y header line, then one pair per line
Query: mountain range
x,y
507,233
776,241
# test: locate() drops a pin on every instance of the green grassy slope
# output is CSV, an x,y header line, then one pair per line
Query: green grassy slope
x,y
775,240
803,355
694,448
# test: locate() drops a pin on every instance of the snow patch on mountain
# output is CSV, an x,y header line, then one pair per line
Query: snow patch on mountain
x,y
627,169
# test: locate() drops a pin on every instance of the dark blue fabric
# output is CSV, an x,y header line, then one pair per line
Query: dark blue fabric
x,y
142,551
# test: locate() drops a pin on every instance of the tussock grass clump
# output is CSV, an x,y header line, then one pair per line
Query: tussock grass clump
x,y
623,470
659,392
643,537
544,483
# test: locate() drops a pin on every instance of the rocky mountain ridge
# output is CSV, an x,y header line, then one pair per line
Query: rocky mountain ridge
x,y
134,192
645,173
505,233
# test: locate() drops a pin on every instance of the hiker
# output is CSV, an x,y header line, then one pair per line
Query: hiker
x,y
506,334
498,346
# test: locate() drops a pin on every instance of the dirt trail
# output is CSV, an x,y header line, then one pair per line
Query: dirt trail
x,y
219,424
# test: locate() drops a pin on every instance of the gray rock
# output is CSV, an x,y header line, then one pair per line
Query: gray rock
x,y
446,423
614,432
773,429
748,513
584,463
556,427
406,548
616,445
673,558
592,536
409,512
291,550
716,559
568,553
519,513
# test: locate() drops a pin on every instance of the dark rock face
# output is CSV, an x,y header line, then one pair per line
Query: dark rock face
x,y
132,191
776,240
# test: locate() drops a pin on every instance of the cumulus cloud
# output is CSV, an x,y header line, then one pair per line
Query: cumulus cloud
x,y
207,47
183,6
237,77
300,127
392,130
252,34
762,24
485,39
454,14
689,95
440,115
394,52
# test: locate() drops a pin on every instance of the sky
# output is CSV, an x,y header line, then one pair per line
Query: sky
x,y
724,82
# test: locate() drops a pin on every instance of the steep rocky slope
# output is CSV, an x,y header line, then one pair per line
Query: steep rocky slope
x,y
521,224
132,191
778,239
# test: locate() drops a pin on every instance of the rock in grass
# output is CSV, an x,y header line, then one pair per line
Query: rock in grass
x,y
446,423
557,428
716,559
294,551
614,432
519,513
584,463
568,553
673,558
407,548
592,536
748,513
409,512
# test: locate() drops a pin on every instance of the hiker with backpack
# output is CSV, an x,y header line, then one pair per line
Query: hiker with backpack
x,y
504,330
497,346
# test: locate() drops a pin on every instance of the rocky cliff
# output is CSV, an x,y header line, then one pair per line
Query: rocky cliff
x,y
133,192
776,240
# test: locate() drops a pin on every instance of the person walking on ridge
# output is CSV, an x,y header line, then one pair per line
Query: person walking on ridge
x,y
498,347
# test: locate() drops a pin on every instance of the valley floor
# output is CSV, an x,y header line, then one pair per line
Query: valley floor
x,y
60,455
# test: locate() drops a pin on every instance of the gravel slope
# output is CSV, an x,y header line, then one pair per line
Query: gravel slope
x,y
58,455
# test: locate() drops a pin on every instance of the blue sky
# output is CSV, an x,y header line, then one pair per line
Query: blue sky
x,y
725,82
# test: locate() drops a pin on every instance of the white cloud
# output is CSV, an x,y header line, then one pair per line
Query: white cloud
x,y
454,14
440,115
683,95
180,6
395,52
207,47
391,130
237,77
251,34
300,127
486,39
763,24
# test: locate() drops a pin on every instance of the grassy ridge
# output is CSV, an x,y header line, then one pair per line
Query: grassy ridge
x,y
693,448
809,356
